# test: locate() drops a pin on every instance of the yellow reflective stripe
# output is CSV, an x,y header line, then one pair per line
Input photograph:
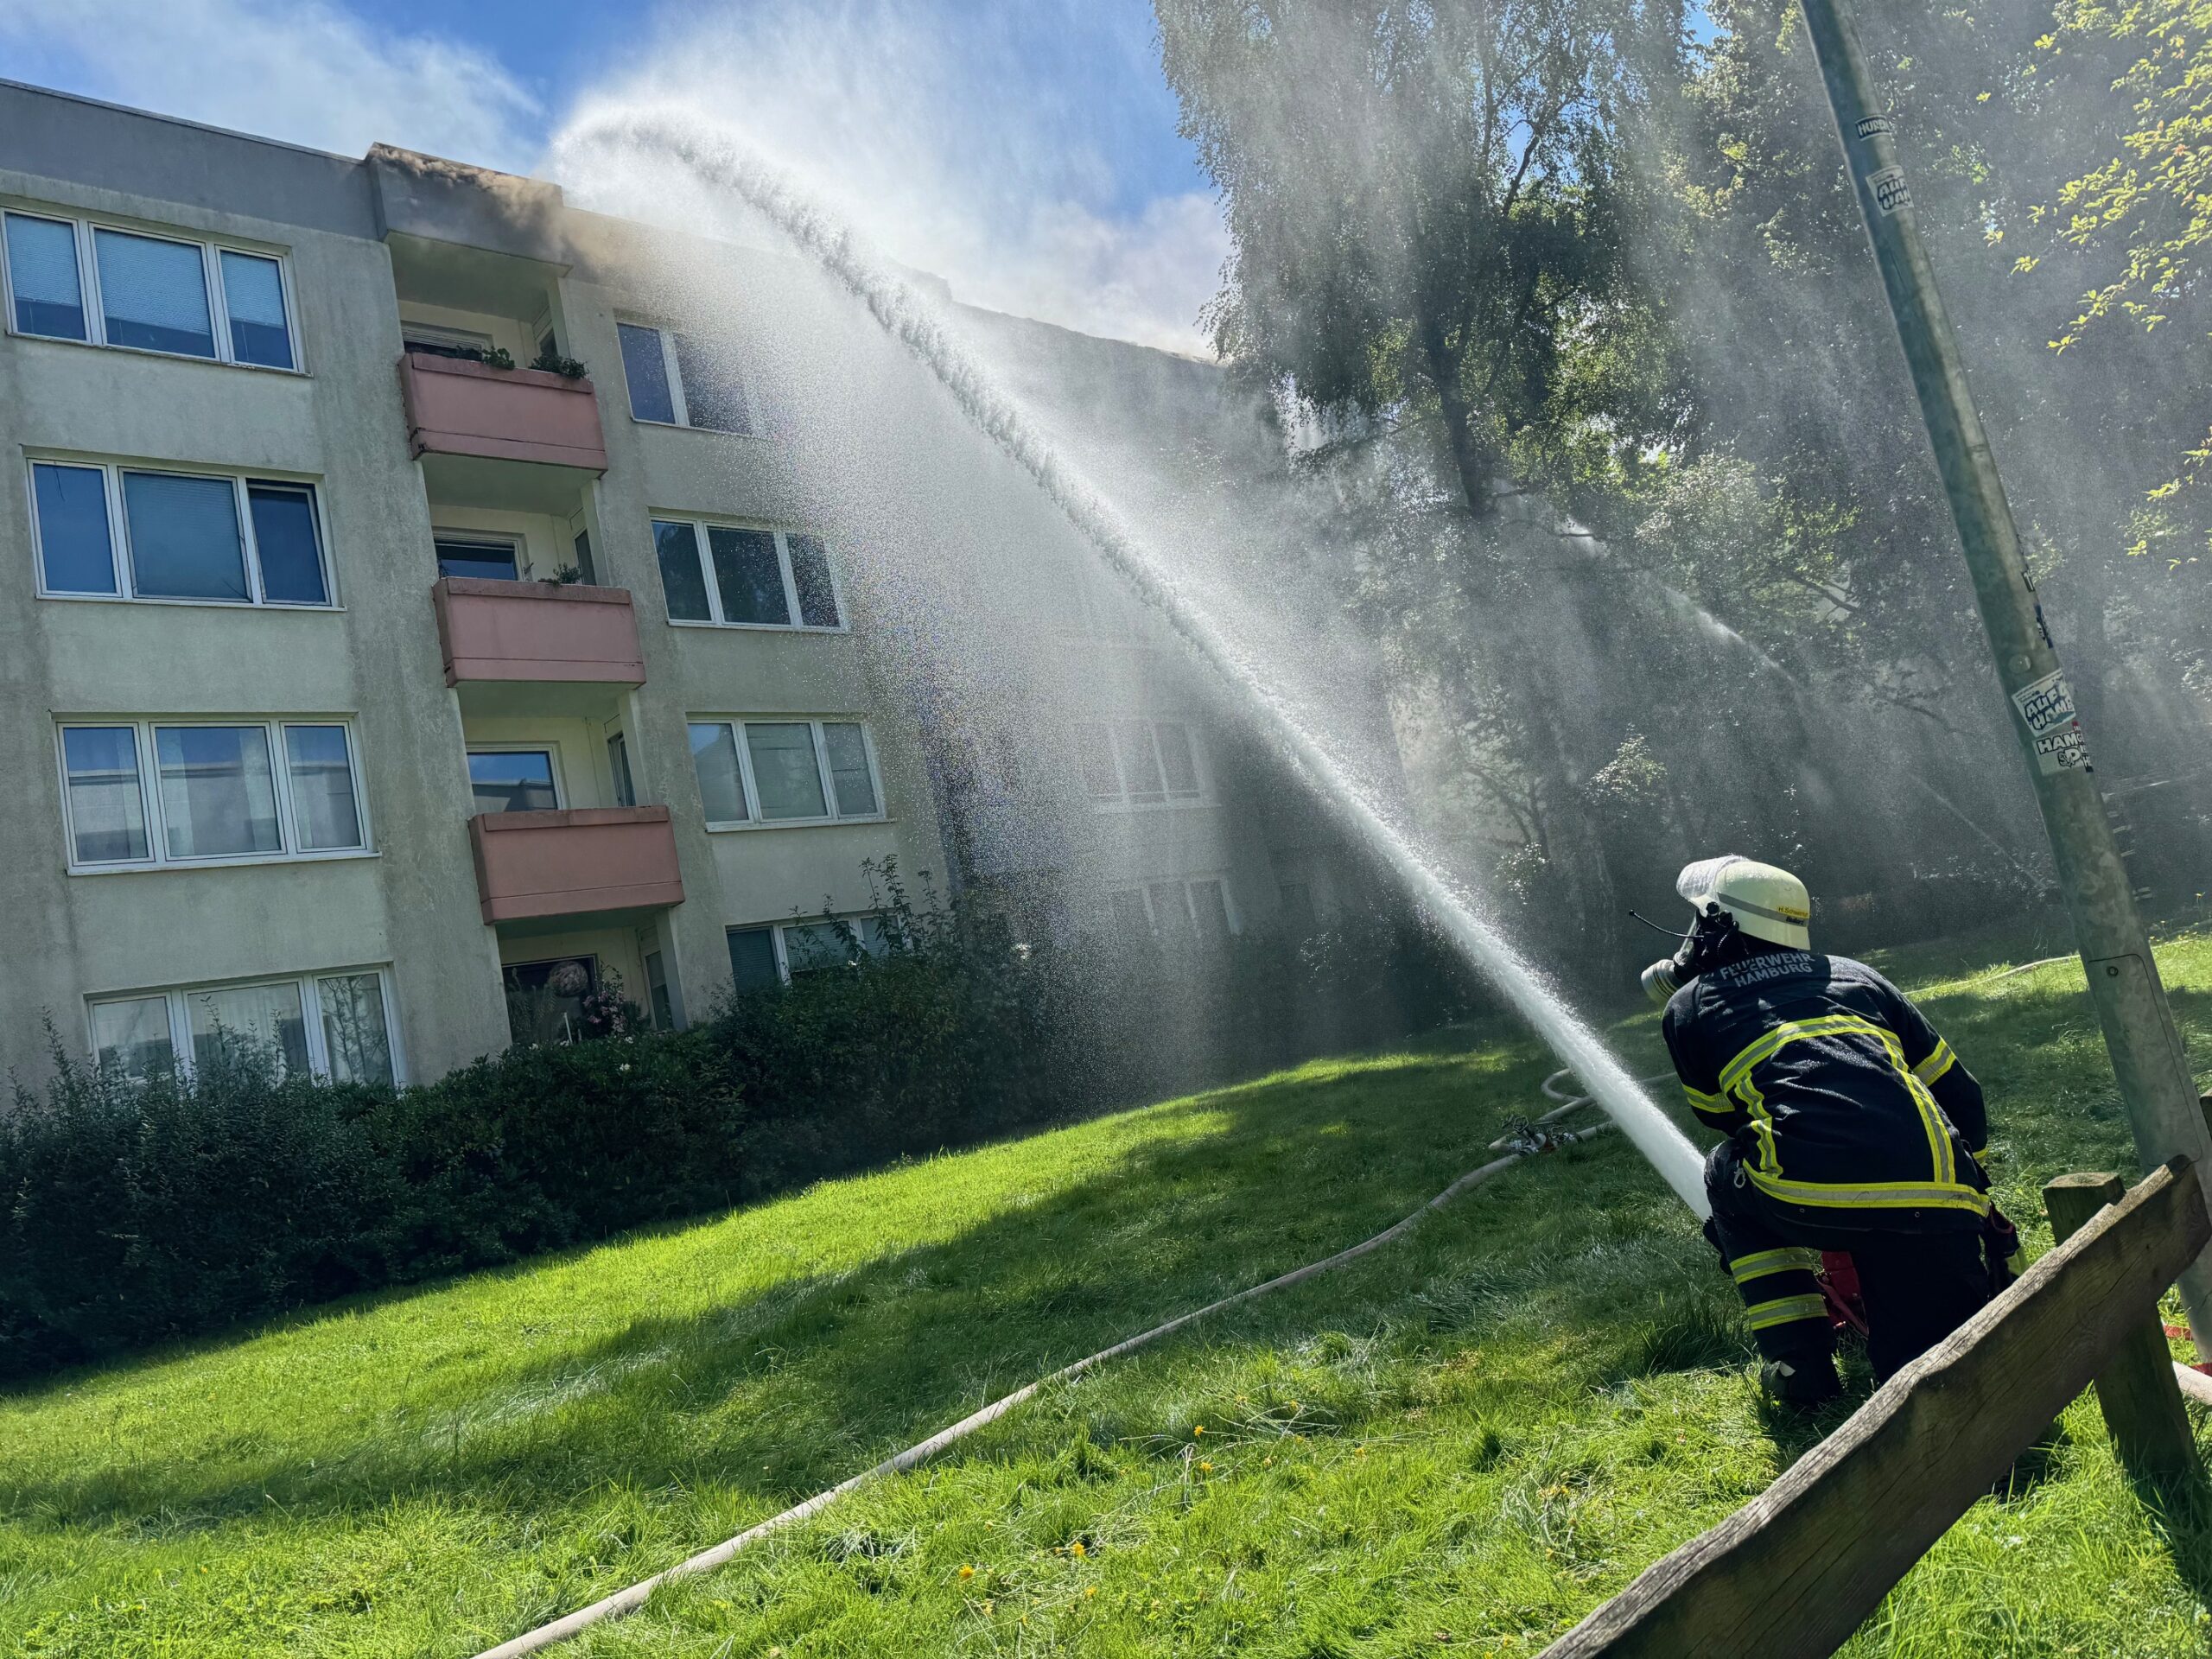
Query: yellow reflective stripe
x,y
1790,1031
1874,1195
1763,1262
1700,1101
1736,1077
1936,1064
1784,1309
1762,1122
1940,1157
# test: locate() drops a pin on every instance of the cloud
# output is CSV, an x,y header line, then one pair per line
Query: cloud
x,y
956,149
307,73
1020,149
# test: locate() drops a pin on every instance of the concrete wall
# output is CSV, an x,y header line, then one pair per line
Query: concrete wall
x,y
411,903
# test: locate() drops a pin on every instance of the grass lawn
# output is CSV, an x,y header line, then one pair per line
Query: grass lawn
x,y
1466,1439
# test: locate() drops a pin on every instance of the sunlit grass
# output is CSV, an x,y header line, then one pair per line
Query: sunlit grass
x,y
1468,1437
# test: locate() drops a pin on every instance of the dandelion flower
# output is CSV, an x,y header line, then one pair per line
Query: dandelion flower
x,y
1077,1549
1200,1429
967,1572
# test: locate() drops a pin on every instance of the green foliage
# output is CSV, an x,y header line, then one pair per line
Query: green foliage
x,y
549,361
1515,260
1426,200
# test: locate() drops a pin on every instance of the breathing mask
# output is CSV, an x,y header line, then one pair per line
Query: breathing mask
x,y
1707,937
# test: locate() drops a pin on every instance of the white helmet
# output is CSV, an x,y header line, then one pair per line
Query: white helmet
x,y
1767,903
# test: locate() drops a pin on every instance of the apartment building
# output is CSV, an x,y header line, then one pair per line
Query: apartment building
x,y
430,609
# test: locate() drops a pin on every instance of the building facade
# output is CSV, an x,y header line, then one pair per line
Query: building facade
x,y
428,611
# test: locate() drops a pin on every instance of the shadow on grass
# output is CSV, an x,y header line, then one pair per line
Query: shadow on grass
x,y
786,1392
2181,1514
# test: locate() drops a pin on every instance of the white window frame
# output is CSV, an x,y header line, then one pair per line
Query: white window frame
x,y
1201,766
82,225
112,470
1182,884
438,334
679,402
150,792
545,746
310,990
715,619
776,931
514,541
737,723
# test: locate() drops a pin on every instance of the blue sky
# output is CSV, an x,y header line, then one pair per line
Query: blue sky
x,y
1025,149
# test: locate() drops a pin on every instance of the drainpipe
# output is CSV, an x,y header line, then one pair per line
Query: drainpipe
x,y
2148,1059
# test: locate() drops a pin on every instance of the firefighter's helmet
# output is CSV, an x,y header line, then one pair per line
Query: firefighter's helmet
x,y
1767,903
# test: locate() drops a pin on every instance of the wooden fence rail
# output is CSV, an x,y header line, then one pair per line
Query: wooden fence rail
x,y
1792,1573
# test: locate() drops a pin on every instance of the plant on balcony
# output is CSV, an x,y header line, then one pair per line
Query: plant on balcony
x,y
549,361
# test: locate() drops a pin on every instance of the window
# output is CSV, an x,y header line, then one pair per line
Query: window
x,y
1138,762
337,1026
253,289
143,793
681,379
477,558
618,771
1177,911
743,577
209,538
43,279
785,771
513,780
547,1001
429,339
762,957
68,279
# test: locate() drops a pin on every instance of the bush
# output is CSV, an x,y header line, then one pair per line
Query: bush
x,y
141,1210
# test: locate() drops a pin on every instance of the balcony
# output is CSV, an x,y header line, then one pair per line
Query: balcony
x,y
589,861
458,407
535,631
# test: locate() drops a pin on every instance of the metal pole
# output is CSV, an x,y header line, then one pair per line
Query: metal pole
x,y
2147,1057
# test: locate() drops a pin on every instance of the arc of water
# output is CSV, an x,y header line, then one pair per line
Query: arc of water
x,y
717,158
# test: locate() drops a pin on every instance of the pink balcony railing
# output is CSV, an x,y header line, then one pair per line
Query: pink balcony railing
x,y
575,863
458,407
495,629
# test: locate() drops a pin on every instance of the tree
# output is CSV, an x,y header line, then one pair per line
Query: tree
x,y
1424,203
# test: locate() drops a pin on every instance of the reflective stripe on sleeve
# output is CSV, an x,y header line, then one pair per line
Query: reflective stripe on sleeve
x,y
1936,1064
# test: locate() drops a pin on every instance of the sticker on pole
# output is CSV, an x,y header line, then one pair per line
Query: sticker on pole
x,y
2047,706
1873,126
1889,189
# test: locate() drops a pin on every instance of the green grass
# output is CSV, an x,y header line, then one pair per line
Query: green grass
x,y
1467,1438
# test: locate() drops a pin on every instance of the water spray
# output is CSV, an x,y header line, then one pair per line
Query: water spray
x,y
717,159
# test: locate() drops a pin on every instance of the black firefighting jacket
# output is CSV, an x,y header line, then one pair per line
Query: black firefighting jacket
x,y
1842,1102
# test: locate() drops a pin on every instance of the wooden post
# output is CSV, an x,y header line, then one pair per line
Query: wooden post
x,y
2136,1388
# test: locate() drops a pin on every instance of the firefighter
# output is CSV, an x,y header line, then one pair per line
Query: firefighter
x,y
1850,1127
